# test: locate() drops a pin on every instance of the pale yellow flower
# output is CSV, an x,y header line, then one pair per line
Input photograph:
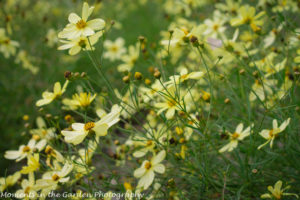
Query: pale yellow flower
x,y
42,131
277,192
32,164
235,137
7,46
129,59
99,128
48,97
9,181
82,42
170,104
247,15
114,50
25,150
82,99
270,135
80,26
184,75
28,190
146,171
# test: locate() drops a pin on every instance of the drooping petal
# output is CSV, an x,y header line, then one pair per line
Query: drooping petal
x,y
101,130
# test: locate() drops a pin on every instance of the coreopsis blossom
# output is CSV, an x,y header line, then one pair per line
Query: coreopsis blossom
x,y
215,26
51,179
247,15
26,60
129,59
48,97
146,171
262,88
184,75
297,58
277,192
25,150
28,190
42,131
80,26
114,50
182,36
270,135
82,100
144,147
99,128
9,181
53,153
32,164
51,37
7,46
229,6
235,137
85,43
267,64
170,104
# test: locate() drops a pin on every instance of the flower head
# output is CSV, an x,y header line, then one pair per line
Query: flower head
x,y
80,26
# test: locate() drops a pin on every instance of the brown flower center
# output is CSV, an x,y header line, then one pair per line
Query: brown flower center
x,y
149,143
147,165
26,149
235,135
171,103
27,190
55,177
88,126
271,133
81,24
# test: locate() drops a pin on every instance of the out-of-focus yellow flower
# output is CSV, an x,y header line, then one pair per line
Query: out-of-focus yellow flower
x,y
42,131
129,59
28,190
235,137
82,99
247,15
170,103
184,75
51,179
262,88
80,130
277,192
114,50
7,46
270,135
25,150
146,171
32,164
26,60
79,26
48,97
9,181
82,42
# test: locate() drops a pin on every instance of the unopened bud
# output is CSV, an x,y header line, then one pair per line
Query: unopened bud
x,y
68,74
157,74
126,79
147,81
138,75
